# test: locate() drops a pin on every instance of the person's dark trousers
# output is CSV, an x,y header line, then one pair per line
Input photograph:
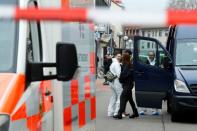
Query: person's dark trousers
x,y
124,98
105,72
105,82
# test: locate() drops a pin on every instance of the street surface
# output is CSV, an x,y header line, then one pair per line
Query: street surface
x,y
143,123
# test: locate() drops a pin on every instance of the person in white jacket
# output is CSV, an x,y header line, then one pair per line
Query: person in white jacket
x,y
116,86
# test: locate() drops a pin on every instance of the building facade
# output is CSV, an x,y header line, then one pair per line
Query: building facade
x,y
159,33
116,28
183,4
106,35
102,37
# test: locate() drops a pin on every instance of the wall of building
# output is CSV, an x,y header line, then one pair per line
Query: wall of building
x,y
116,28
101,29
159,33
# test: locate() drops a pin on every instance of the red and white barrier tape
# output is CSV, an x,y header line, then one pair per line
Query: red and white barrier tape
x,y
145,18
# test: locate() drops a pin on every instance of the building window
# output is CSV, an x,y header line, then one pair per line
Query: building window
x,y
137,32
148,45
143,33
156,33
127,31
133,32
160,33
153,33
148,34
166,33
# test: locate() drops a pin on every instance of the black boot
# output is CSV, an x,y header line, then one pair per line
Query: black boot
x,y
135,114
117,116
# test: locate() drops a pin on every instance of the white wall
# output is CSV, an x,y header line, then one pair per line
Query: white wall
x,y
116,27
162,38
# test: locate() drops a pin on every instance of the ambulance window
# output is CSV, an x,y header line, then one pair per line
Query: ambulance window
x,y
34,41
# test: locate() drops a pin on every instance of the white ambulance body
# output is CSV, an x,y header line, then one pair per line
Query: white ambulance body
x,y
32,101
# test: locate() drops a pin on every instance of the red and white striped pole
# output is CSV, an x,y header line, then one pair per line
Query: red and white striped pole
x,y
145,18
62,14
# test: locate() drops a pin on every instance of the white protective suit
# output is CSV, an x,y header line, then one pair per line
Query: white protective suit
x,y
116,88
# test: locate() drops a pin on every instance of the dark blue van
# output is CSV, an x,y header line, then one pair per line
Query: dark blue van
x,y
169,73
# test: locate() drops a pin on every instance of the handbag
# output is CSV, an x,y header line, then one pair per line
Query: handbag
x,y
110,76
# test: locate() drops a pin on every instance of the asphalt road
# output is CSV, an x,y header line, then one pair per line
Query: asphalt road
x,y
143,123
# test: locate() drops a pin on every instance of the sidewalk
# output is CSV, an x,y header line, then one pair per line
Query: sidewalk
x,y
100,86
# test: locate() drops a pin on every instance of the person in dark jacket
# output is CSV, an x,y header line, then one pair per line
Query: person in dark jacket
x,y
107,63
129,52
126,78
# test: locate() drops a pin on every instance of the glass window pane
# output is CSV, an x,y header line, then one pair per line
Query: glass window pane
x,y
146,54
189,57
7,46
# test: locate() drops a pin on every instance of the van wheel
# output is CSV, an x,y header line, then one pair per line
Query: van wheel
x,y
169,106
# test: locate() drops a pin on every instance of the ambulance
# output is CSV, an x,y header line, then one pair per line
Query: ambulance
x,y
47,73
